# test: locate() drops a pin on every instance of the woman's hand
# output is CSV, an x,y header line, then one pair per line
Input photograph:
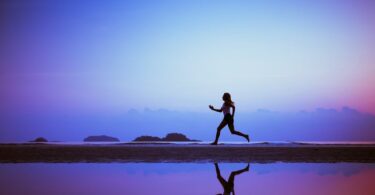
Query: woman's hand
x,y
214,109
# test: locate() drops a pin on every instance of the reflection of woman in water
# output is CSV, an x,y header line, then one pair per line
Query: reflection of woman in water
x,y
228,186
228,118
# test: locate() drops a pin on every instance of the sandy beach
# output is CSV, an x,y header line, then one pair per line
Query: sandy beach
x,y
169,152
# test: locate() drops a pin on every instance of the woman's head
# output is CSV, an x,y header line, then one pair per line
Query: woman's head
x,y
227,98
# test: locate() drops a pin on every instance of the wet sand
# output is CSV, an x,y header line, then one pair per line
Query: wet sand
x,y
142,152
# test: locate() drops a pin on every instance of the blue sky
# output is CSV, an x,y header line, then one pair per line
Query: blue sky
x,y
106,57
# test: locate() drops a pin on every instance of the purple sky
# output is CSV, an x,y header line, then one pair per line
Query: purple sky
x,y
82,60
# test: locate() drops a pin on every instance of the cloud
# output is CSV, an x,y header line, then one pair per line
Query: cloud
x,y
321,124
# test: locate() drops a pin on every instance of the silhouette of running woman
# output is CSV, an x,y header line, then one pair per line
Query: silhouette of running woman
x,y
228,118
228,186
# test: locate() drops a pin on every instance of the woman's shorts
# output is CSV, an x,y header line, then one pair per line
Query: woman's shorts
x,y
229,119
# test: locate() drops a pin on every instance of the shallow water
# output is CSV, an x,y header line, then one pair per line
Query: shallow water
x,y
187,178
207,142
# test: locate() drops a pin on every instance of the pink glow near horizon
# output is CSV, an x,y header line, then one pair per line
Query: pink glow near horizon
x,y
113,56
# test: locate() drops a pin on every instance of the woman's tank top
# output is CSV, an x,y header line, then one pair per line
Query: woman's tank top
x,y
226,109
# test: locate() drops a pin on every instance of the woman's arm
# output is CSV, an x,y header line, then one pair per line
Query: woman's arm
x,y
214,109
234,110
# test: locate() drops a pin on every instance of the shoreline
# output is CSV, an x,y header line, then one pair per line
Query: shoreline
x,y
186,152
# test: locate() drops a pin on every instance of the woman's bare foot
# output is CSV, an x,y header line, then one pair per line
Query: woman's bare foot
x,y
248,138
247,167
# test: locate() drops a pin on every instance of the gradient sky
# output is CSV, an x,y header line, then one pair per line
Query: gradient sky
x,y
110,56
71,58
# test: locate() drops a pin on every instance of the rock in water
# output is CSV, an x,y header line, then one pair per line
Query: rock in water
x,y
170,137
175,137
147,138
40,139
101,138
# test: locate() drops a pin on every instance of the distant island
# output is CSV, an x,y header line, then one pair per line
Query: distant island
x,y
39,139
172,137
147,138
101,138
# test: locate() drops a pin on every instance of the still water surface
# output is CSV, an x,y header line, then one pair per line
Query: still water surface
x,y
188,178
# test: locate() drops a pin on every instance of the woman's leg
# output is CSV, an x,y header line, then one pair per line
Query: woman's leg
x,y
219,177
218,130
234,173
233,131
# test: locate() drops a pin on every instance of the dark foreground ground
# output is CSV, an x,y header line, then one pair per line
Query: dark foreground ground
x,y
126,152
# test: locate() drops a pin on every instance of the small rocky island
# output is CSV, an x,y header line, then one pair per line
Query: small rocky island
x,y
147,138
171,137
39,140
101,138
